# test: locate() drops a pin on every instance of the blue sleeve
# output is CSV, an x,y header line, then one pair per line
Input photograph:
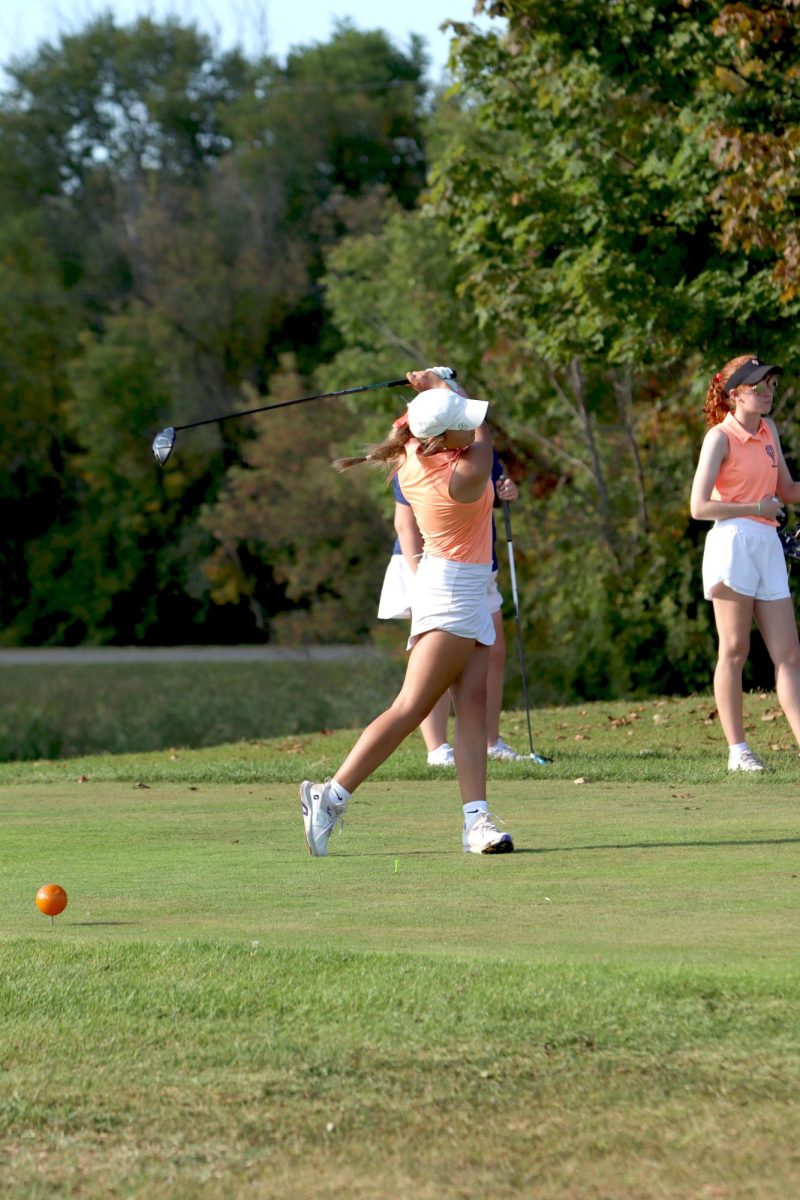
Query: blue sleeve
x,y
398,495
497,467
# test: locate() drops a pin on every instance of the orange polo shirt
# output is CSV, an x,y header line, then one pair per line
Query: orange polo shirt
x,y
451,530
750,471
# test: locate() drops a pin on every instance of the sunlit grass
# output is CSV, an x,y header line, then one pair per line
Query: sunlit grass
x,y
616,1005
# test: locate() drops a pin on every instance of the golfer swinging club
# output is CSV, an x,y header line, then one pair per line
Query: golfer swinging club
x,y
441,451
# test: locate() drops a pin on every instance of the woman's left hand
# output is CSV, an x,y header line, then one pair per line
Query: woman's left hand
x,y
506,489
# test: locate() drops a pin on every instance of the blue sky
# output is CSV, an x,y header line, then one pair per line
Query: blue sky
x,y
257,25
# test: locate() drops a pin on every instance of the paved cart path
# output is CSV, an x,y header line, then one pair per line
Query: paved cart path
x,y
49,655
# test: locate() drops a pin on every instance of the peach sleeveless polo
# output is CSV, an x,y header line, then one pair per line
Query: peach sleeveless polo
x,y
451,530
750,471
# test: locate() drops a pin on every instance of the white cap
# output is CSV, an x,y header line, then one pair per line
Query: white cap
x,y
433,412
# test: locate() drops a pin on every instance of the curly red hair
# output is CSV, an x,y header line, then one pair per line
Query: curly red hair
x,y
718,404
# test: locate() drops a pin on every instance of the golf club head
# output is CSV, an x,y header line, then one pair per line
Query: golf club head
x,y
540,759
162,445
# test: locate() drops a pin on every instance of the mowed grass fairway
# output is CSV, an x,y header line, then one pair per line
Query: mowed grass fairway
x,y
612,1011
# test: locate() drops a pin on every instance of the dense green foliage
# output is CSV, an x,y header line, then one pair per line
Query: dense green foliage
x,y
599,213
164,214
584,201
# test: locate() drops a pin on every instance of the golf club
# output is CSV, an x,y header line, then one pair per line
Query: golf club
x,y
537,758
164,442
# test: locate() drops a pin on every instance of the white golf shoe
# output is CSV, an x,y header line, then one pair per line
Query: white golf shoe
x,y
745,760
500,751
483,837
321,811
442,756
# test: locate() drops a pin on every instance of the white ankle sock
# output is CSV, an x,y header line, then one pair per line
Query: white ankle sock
x,y
473,810
738,748
341,794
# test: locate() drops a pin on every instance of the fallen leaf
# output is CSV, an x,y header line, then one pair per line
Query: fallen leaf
x,y
83,779
581,779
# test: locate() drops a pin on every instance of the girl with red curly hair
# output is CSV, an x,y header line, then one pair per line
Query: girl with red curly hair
x,y
741,484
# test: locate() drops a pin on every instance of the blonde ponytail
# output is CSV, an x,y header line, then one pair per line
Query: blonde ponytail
x,y
387,453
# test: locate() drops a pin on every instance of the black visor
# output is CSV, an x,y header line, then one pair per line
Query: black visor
x,y
753,371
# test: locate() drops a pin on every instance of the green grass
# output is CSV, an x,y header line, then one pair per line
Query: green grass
x,y
673,740
611,1012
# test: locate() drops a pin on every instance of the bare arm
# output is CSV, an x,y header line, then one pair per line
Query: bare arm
x,y
474,466
408,534
712,455
473,469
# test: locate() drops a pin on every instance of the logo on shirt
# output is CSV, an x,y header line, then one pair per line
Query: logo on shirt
x,y
771,453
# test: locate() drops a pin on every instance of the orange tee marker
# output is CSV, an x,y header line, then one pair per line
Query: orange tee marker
x,y
51,899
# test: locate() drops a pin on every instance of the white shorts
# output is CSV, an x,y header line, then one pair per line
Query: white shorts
x,y
395,601
748,557
451,596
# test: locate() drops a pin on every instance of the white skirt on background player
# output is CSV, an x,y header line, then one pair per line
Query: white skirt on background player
x,y
395,601
748,557
451,596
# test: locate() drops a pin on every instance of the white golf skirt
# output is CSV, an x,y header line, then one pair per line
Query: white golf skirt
x,y
451,596
748,557
395,601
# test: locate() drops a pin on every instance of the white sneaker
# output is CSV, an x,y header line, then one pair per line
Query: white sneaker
x,y
442,756
321,811
483,837
500,751
745,760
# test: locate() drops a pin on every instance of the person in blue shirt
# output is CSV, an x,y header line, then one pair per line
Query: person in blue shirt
x,y
394,604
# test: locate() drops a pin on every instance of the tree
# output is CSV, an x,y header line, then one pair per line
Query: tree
x,y
302,544
576,196
177,199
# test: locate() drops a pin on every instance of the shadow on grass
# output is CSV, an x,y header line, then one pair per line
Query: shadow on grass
x,y
788,841
103,922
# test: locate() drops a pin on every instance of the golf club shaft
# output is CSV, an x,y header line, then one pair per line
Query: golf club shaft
x,y
520,648
366,387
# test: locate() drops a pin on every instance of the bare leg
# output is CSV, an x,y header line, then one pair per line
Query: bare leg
x,y
436,661
434,727
494,680
469,697
733,614
776,621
